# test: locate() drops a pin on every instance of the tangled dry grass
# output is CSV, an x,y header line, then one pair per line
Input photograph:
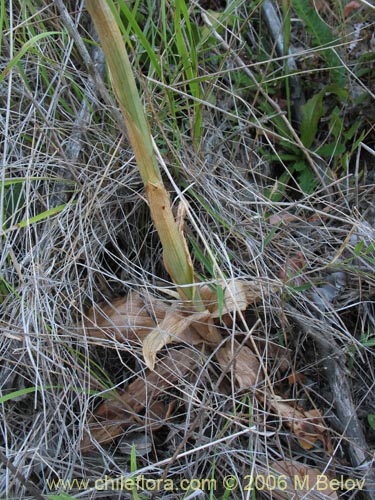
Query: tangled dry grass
x,y
95,242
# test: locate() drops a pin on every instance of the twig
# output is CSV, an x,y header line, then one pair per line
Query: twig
x,y
92,69
359,452
275,28
29,485
74,144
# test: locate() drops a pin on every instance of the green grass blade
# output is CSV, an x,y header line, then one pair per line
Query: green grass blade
x,y
21,392
137,30
187,51
26,46
44,215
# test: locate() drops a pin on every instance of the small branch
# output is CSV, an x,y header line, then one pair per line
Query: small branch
x,y
275,29
336,373
30,486
92,69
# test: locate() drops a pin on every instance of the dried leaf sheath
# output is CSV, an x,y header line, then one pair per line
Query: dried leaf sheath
x,y
175,251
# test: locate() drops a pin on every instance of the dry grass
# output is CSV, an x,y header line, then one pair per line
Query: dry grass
x,y
61,136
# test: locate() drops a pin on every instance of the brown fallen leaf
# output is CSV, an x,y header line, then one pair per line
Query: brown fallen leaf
x,y
113,416
208,331
308,426
291,272
156,415
290,479
156,323
107,423
284,217
175,327
279,354
238,296
351,7
126,318
295,378
245,365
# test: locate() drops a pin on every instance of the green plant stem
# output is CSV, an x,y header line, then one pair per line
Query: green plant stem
x,y
175,251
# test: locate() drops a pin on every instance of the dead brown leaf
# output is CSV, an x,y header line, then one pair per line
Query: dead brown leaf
x,y
284,217
279,354
155,323
125,318
351,7
175,327
208,331
238,296
245,365
308,426
295,480
113,416
291,272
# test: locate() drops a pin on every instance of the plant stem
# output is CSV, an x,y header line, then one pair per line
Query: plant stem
x,y
175,251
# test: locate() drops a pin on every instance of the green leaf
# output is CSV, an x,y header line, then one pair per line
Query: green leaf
x,y
357,249
21,392
336,124
323,38
368,342
25,47
19,180
220,300
306,178
312,111
370,260
341,93
185,42
301,288
137,30
370,248
133,468
371,420
358,141
207,262
349,134
30,390
331,150
44,215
